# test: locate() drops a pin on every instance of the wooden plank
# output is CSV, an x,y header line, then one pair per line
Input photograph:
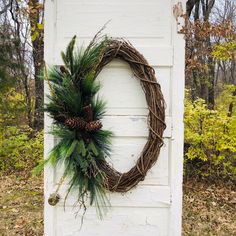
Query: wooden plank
x,y
126,126
123,91
143,196
177,93
147,20
131,126
124,156
49,29
162,56
132,222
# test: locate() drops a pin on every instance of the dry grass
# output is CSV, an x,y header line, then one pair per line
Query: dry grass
x,y
209,209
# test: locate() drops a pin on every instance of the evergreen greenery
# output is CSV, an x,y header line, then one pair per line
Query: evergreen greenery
x,y
73,88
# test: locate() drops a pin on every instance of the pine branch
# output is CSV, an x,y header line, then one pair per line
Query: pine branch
x,y
76,113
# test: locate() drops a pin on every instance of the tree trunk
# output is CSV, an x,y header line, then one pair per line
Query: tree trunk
x,y
39,86
38,49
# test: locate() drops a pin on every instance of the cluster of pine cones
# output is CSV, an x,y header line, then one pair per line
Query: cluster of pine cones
x,y
80,123
86,122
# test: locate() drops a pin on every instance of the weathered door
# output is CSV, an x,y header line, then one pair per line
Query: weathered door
x,y
154,207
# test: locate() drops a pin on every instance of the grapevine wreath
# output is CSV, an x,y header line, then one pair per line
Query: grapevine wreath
x,y
77,112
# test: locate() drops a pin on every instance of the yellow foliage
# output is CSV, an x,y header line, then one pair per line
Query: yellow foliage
x,y
20,148
34,35
225,51
210,137
40,26
12,107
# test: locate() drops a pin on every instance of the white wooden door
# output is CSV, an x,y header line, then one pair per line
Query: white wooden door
x,y
153,208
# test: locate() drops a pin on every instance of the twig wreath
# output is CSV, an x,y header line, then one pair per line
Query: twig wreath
x,y
77,114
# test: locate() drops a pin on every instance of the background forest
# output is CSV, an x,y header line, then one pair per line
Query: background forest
x,y
210,110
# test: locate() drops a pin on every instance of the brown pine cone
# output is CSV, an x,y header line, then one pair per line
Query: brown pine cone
x,y
93,125
75,122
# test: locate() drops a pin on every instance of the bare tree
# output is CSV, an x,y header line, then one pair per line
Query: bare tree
x,y
36,10
204,29
226,69
26,20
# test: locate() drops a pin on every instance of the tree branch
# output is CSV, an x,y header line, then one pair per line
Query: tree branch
x,y
190,5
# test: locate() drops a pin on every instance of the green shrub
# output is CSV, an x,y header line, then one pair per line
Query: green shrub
x,y
20,148
210,137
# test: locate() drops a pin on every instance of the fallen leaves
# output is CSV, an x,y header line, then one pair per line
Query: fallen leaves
x,y
209,208
21,206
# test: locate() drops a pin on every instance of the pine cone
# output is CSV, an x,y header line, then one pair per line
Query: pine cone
x,y
75,122
93,125
88,113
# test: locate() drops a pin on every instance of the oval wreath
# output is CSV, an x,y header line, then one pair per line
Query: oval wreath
x,y
77,113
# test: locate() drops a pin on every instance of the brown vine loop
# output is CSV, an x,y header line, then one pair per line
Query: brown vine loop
x,y
122,182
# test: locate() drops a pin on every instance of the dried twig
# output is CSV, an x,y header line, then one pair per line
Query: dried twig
x,y
122,182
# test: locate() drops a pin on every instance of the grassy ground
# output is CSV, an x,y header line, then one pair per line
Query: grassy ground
x,y
208,209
